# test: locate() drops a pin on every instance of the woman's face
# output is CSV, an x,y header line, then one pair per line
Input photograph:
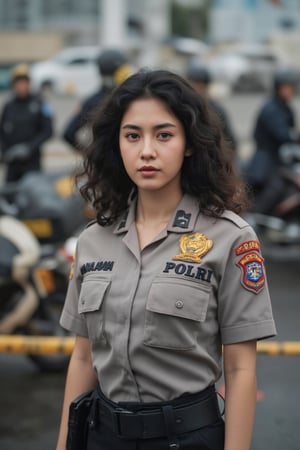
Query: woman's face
x,y
152,144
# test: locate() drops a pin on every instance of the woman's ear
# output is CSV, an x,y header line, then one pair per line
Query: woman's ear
x,y
188,152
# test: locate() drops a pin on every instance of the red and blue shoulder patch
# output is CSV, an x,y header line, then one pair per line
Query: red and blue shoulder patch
x,y
252,266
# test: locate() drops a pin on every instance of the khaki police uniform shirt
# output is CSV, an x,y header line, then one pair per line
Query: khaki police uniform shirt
x,y
157,319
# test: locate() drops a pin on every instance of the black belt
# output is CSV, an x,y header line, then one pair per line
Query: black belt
x,y
145,424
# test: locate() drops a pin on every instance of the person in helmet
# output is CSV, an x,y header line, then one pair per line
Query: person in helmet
x,y
274,126
200,78
26,123
113,66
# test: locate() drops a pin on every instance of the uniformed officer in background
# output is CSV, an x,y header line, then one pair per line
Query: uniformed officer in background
x,y
166,275
26,123
275,125
200,78
113,66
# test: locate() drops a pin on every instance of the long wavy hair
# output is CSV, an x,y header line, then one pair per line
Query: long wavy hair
x,y
208,174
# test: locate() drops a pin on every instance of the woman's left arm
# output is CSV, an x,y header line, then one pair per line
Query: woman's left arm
x,y
240,391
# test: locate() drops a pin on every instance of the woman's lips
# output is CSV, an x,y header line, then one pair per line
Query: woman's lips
x,y
148,171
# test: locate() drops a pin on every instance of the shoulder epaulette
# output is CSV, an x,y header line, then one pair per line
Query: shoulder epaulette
x,y
235,219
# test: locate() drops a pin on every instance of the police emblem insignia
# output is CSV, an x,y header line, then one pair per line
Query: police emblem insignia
x,y
193,246
253,275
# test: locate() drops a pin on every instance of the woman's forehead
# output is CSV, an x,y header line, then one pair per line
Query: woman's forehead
x,y
144,109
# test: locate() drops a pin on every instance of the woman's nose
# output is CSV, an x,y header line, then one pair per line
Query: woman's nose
x,y
148,148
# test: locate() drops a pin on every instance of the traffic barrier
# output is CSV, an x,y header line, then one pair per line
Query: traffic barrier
x,y
37,345
291,348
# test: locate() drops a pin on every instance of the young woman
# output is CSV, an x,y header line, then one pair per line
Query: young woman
x,y
166,276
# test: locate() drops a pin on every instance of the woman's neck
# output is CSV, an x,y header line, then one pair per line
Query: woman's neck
x,y
155,208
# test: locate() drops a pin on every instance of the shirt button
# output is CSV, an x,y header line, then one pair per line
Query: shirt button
x,y
179,304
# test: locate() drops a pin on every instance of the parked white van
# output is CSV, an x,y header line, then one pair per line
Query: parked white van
x,y
73,71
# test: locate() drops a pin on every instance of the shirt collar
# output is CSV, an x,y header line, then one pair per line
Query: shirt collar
x,y
182,221
127,218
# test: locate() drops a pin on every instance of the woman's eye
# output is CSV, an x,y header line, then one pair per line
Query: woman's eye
x,y
132,136
164,135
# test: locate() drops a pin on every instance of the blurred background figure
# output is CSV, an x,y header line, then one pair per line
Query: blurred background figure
x,y
114,67
26,123
275,126
200,78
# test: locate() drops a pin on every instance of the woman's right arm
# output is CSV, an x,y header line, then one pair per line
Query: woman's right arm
x,y
81,377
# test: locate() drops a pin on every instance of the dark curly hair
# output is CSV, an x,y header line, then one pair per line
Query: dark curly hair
x,y
208,174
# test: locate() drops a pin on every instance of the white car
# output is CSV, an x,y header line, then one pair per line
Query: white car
x,y
73,71
247,67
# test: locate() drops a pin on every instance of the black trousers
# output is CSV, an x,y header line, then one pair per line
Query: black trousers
x,y
101,436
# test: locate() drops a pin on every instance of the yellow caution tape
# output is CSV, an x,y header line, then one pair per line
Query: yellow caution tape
x,y
37,345
291,348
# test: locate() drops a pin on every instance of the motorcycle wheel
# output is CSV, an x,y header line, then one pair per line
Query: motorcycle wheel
x,y
47,324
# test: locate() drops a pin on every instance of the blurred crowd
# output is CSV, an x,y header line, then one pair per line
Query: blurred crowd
x,y
27,122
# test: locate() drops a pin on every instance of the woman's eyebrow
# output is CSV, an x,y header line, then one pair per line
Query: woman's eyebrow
x,y
156,127
164,125
132,127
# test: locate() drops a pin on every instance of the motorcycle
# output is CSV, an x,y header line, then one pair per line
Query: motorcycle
x,y
35,223
47,204
33,283
279,230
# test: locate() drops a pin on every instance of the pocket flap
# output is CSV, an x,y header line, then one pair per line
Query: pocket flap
x,y
179,299
92,294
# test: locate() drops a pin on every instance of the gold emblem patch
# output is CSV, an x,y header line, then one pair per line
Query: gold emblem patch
x,y
193,246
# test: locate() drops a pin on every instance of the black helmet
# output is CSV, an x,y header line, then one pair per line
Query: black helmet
x,y
114,67
198,72
285,76
110,60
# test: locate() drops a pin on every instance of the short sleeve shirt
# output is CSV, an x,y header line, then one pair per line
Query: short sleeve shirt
x,y
158,318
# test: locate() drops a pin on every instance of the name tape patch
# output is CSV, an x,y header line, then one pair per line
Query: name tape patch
x,y
246,247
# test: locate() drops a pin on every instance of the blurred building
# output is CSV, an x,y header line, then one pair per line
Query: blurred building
x,y
37,29
253,20
138,25
77,19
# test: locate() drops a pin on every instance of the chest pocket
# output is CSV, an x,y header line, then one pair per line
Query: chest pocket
x,y
90,305
173,314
